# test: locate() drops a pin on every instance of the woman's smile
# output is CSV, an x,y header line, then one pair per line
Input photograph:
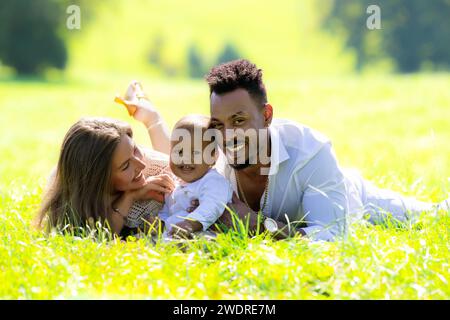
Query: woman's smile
x,y
139,177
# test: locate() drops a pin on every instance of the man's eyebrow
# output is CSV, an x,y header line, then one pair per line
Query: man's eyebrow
x,y
237,114
214,120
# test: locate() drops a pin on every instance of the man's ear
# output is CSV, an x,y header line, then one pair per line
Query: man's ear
x,y
215,157
268,114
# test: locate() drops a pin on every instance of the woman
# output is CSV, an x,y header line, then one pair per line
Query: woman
x,y
102,176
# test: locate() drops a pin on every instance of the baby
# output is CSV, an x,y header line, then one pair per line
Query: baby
x,y
191,160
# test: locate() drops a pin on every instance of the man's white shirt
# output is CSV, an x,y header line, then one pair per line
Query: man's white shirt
x,y
306,183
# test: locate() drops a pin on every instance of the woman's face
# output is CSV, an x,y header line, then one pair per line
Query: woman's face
x,y
127,166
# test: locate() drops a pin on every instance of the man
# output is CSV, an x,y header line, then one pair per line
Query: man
x,y
301,188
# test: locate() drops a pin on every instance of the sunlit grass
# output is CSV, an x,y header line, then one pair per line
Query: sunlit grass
x,y
394,129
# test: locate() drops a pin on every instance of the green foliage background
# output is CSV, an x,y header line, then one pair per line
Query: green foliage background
x,y
414,34
284,37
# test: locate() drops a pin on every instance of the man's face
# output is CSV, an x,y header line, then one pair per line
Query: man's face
x,y
238,110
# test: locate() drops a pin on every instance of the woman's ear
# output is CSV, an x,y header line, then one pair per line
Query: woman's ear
x,y
268,114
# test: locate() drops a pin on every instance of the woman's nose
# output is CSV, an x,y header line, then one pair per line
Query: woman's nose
x,y
140,164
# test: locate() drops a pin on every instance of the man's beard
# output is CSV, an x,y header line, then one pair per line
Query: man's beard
x,y
250,160
240,166
254,155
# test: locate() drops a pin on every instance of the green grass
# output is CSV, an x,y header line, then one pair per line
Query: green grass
x,y
393,128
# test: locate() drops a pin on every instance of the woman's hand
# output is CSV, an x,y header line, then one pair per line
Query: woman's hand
x,y
141,109
194,205
138,105
154,188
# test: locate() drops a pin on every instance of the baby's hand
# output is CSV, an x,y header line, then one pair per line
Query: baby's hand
x,y
185,229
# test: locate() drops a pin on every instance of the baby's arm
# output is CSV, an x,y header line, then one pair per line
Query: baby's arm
x,y
215,193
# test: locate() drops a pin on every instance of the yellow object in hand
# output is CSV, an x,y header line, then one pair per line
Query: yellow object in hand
x,y
130,108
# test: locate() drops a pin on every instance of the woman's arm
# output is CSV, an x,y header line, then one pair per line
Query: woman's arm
x,y
159,136
119,212
141,109
120,208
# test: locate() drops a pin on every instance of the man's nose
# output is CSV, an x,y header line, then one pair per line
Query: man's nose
x,y
234,138
230,135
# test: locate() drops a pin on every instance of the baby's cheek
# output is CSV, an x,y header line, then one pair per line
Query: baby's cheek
x,y
172,166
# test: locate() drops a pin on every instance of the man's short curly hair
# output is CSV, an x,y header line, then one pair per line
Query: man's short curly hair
x,y
237,74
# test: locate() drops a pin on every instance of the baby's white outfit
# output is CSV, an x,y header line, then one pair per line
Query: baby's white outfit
x,y
212,191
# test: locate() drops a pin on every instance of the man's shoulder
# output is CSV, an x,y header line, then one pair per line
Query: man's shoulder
x,y
297,135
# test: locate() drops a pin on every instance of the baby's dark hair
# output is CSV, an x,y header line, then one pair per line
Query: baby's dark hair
x,y
237,74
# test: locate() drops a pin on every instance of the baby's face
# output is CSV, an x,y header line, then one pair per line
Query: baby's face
x,y
187,169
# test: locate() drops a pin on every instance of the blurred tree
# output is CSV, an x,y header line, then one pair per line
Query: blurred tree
x,y
413,32
156,57
155,52
196,66
228,53
29,40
